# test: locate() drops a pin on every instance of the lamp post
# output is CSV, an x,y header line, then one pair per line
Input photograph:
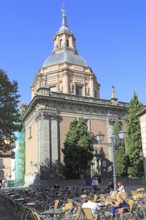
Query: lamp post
x,y
114,139
99,137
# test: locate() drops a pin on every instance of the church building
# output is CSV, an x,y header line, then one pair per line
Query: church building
x,y
66,88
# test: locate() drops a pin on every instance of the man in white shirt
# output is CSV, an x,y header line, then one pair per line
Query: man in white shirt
x,y
91,205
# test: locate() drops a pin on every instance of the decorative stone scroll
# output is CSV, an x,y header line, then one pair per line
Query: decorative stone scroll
x,y
45,115
38,116
48,115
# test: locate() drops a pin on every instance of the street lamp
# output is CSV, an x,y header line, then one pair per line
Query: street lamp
x,y
122,134
114,140
99,137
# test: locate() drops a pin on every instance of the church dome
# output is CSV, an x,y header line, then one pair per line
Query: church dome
x,y
64,56
64,47
65,71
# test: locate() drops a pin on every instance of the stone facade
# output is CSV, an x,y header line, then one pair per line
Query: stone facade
x,y
65,88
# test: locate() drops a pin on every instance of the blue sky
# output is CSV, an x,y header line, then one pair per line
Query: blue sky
x,y
110,35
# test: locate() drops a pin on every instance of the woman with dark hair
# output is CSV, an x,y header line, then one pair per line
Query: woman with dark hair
x,y
110,186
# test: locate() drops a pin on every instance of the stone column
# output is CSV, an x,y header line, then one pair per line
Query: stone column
x,y
38,138
50,137
54,139
47,139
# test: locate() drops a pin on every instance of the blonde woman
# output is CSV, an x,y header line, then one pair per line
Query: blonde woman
x,y
117,204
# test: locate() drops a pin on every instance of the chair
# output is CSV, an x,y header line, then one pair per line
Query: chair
x,y
88,214
123,195
141,208
102,197
128,212
108,200
133,192
36,216
53,204
69,200
140,190
95,198
74,214
56,202
67,206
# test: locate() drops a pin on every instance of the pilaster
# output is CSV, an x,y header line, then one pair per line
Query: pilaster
x,y
91,86
65,82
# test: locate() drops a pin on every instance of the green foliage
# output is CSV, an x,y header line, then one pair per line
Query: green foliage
x,y
9,112
119,153
120,161
133,140
78,148
116,128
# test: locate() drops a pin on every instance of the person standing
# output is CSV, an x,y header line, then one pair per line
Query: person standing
x,y
95,184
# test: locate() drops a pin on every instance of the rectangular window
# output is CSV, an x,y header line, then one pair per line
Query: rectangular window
x,y
78,90
104,163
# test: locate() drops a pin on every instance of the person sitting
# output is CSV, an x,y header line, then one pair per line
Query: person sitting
x,y
110,186
91,205
121,187
117,204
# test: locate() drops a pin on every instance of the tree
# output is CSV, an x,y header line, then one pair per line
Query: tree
x,y
116,128
78,149
9,112
119,151
133,140
120,161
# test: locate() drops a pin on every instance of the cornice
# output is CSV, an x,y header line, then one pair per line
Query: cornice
x,y
71,103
